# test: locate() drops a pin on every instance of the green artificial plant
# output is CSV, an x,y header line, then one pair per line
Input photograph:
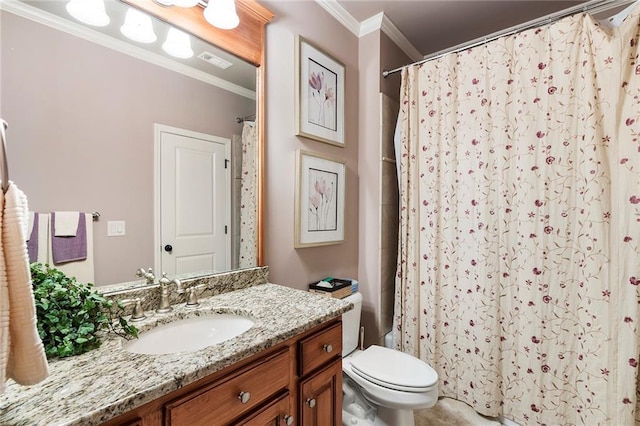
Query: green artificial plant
x,y
71,315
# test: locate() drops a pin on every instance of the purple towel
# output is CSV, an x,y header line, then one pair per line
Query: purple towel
x,y
32,242
69,249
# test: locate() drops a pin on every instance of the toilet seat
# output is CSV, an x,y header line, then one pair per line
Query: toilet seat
x,y
394,370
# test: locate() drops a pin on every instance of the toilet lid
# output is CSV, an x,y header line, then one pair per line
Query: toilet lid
x,y
394,369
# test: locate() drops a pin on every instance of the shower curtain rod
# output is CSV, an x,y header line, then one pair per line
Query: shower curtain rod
x,y
247,118
594,6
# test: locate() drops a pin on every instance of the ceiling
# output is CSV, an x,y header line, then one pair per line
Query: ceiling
x,y
432,25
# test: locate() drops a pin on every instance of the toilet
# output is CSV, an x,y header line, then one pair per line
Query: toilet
x,y
381,386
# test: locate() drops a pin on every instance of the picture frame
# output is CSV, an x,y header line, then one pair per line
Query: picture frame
x,y
320,200
320,94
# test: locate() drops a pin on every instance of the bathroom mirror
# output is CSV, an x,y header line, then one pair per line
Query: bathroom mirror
x,y
81,111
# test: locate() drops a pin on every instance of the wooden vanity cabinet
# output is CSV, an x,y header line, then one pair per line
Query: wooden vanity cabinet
x,y
320,377
320,397
298,382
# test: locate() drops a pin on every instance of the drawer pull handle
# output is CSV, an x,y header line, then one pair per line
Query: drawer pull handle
x,y
311,402
327,348
244,397
288,420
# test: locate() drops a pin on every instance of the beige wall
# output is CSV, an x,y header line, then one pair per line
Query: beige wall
x,y
369,159
391,57
81,131
287,265
378,185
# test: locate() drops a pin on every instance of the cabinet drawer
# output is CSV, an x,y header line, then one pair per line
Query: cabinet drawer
x,y
316,350
220,402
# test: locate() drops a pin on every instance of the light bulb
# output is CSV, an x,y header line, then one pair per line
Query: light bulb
x,y
91,12
185,3
222,14
138,27
178,44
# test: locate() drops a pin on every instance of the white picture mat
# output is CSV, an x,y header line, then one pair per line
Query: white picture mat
x,y
306,236
311,60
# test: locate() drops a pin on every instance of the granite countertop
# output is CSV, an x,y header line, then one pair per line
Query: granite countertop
x,y
101,384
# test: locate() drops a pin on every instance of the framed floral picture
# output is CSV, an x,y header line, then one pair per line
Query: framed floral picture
x,y
320,198
319,94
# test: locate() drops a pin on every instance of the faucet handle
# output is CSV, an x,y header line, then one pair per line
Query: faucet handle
x,y
192,296
138,312
146,274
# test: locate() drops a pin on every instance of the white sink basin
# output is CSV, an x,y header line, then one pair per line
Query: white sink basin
x,y
189,334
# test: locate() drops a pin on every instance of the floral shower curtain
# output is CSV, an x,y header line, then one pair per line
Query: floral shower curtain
x,y
519,266
248,195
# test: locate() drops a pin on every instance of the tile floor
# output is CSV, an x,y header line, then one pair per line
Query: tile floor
x,y
450,412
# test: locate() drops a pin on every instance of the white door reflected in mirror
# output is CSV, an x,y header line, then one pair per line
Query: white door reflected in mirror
x,y
195,202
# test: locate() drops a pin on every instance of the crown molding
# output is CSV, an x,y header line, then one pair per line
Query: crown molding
x,y
398,38
45,18
341,15
374,23
371,24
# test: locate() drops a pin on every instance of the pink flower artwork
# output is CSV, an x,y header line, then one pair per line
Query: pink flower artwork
x,y
322,96
323,213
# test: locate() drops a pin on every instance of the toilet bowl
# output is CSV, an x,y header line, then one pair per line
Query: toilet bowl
x,y
382,386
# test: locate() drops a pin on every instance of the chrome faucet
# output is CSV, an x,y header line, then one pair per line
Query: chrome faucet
x,y
146,274
165,304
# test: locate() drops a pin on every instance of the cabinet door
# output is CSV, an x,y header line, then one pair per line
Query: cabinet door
x,y
275,413
320,397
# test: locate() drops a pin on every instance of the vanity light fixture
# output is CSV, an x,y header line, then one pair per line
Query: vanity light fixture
x,y
178,44
138,27
222,14
219,13
185,3
91,12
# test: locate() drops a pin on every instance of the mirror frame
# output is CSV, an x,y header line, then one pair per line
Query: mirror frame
x,y
247,41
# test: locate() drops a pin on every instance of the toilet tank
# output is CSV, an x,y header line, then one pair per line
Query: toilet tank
x,y
351,324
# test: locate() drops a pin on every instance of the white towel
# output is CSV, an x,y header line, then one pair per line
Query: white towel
x,y
27,363
66,224
44,238
4,309
30,224
82,270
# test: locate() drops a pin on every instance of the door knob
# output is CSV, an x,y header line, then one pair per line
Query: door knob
x,y
168,248
311,402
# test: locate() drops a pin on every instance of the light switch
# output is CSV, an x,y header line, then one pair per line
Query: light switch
x,y
116,228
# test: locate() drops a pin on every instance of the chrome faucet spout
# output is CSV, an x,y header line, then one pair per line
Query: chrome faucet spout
x,y
178,284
